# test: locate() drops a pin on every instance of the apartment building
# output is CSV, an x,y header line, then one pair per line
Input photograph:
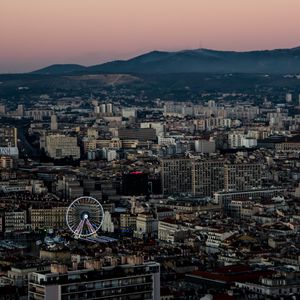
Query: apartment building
x,y
60,146
139,281
48,218
176,175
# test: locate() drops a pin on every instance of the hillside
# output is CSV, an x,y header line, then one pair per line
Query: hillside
x,y
279,61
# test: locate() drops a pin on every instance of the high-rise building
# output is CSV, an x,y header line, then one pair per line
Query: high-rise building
x,y
140,134
54,124
15,220
158,126
97,109
146,225
235,139
60,146
8,141
135,183
20,110
2,109
39,114
207,177
108,225
109,108
243,176
92,133
211,103
176,175
178,109
204,146
103,108
128,222
8,137
172,109
128,281
129,112
288,97
6,162
224,198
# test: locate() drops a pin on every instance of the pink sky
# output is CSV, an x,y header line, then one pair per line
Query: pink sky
x,y
36,33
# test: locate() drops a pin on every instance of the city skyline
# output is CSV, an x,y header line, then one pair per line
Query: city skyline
x,y
154,152
49,32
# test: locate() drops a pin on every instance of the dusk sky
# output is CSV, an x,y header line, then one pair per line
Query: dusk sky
x,y
36,33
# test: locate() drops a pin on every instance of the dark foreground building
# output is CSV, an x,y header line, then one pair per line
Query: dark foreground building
x,y
139,282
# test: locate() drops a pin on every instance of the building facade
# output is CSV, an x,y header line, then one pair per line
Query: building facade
x,y
48,218
176,175
121,282
238,177
15,221
61,146
207,177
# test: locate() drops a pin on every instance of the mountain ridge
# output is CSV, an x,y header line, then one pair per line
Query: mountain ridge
x,y
192,61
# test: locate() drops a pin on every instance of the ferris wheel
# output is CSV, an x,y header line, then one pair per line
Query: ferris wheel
x,y
84,216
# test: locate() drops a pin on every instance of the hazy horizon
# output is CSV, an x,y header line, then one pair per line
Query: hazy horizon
x,y
35,34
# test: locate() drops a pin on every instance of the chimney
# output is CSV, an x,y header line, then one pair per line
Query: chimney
x,y
93,264
58,268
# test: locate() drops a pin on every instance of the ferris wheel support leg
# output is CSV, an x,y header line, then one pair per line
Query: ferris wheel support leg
x,y
79,228
91,228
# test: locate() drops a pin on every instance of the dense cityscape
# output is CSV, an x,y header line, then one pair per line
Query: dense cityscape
x,y
149,150
189,200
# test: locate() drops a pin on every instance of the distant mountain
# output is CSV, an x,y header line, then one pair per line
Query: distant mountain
x,y
58,69
276,61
